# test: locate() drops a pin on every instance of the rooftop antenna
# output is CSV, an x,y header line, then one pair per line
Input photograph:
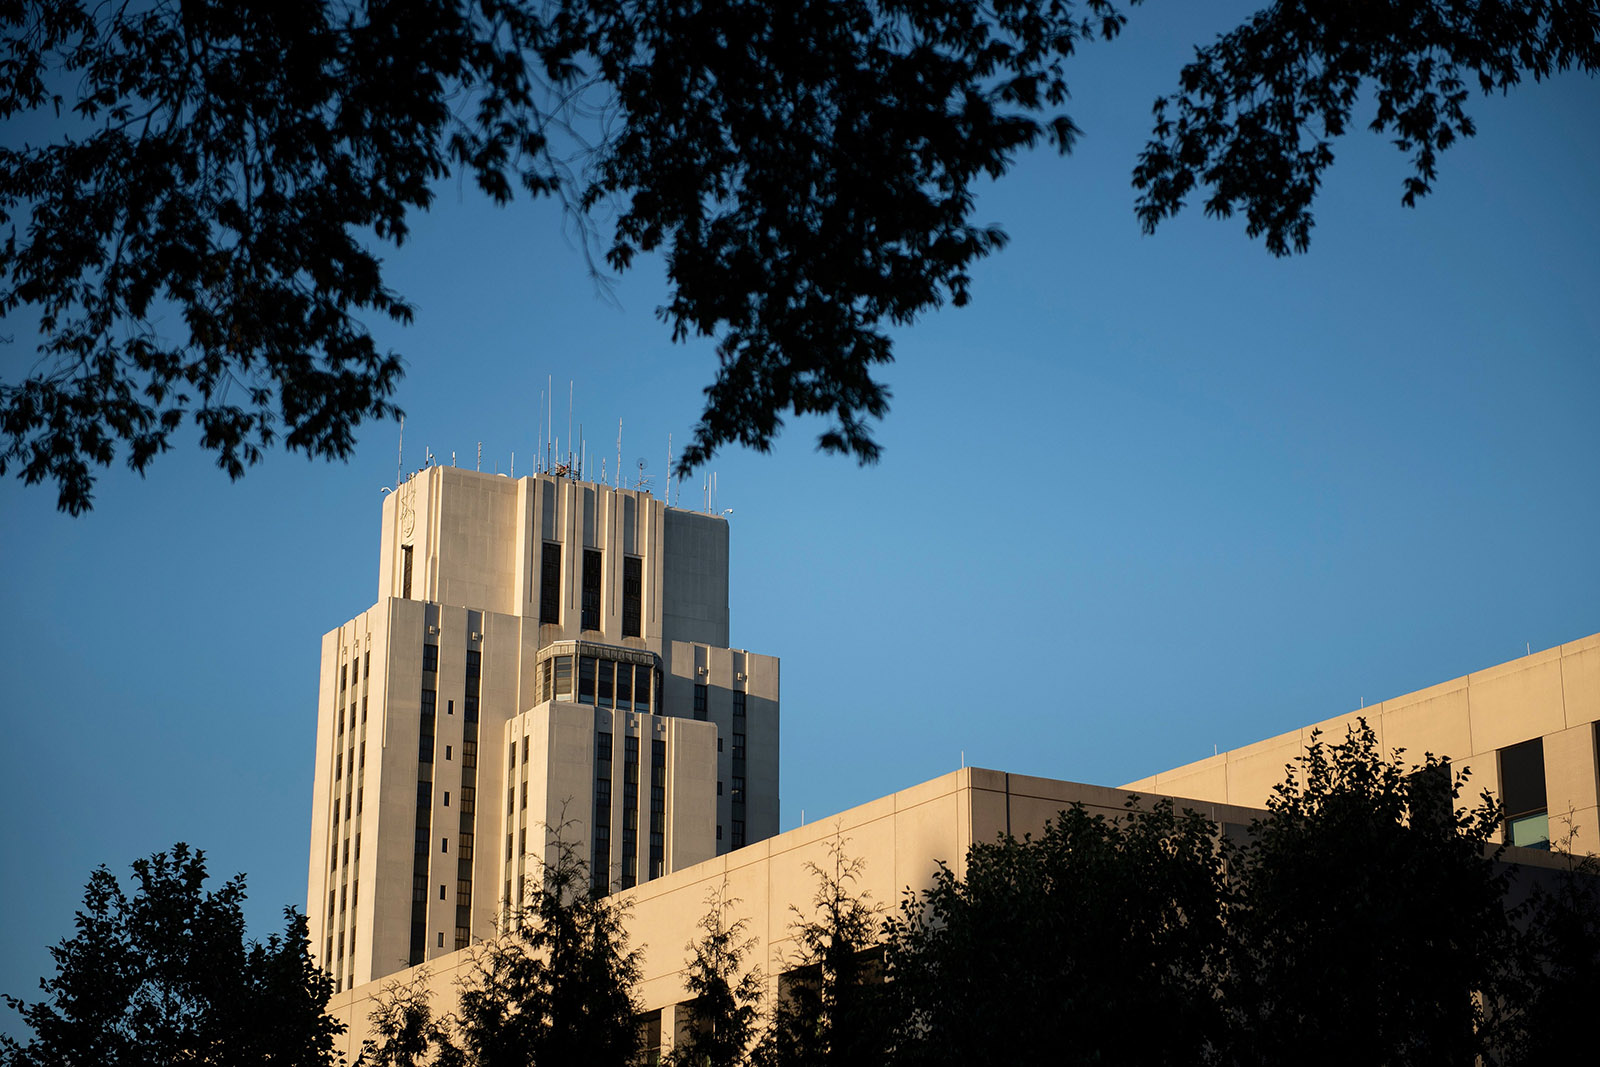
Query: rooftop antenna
x,y
480,455
569,420
550,423
452,457
643,482
400,456
619,454
669,470
513,464
603,470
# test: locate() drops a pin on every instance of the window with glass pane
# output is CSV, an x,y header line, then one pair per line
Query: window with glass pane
x,y
591,589
586,679
550,583
1522,791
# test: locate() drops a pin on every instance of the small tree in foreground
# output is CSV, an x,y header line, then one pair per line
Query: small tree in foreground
x,y
165,976
724,1012
1373,924
1096,929
831,1008
405,1031
555,987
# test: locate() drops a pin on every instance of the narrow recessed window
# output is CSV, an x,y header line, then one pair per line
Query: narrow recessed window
x,y
441,892
632,595
1522,791
447,798
586,673
444,844
592,565
441,939
449,707
430,658
405,572
447,752
550,583
700,703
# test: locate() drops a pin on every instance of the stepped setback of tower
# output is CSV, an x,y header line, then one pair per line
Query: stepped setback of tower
x,y
543,653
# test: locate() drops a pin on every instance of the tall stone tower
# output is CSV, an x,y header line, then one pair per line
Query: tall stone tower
x,y
546,656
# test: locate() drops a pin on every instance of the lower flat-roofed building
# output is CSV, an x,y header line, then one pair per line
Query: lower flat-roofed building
x,y
1529,731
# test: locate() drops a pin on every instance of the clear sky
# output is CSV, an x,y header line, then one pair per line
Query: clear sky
x,y
1145,496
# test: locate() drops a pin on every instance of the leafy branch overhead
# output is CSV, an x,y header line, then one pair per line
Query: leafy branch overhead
x,y
1259,109
194,228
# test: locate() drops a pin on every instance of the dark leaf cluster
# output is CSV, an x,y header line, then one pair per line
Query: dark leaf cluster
x,y
725,992
198,233
1119,921
165,976
1258,110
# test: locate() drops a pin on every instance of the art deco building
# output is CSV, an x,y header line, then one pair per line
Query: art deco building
x,y
544,653
547,652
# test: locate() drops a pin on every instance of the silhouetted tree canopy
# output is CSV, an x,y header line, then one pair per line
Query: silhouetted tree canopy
x,y
1259,109
724,991
831,1007
165,976
556,985
1372,921
1118,921
198,236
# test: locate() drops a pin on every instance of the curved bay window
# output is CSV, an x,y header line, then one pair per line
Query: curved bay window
x,y
582,672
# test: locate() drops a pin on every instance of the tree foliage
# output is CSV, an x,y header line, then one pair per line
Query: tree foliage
x,y
199,238
725,993
556,985
831,1006
165,976
1373,921
1066,948
405,1031
1258,110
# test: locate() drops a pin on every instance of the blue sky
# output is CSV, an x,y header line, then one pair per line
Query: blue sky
x,y
1145,496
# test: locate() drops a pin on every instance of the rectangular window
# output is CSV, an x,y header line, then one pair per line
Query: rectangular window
x,y
630,811
405,572
563,689
444,844
625,686
1522,791
591,589
605,688
441,892
550,583
586,672
430,658
700,703
632,595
